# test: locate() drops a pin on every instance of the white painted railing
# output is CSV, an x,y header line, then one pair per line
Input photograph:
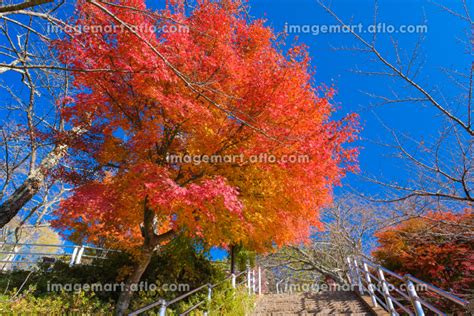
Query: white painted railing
x,y
17,254
252,280
370,278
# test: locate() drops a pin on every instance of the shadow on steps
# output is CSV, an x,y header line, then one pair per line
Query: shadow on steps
x,y
303,304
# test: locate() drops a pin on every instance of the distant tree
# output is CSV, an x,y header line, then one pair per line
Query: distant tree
x,y
349,225
32,85
437,248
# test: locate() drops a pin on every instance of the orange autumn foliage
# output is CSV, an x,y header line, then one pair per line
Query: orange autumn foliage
x,y
223,88
437,249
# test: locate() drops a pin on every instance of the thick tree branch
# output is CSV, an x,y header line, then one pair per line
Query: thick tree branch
x,y
149,229
23,5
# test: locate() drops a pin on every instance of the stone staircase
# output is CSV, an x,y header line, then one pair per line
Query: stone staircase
x,y
304,304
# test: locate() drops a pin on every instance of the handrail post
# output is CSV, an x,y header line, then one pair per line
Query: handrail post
x,y
369,285
233,280
209,292
73,256
79,255
209,298
249,276
386,292
163,308
254,283
350,273
259,280
357,273
415,301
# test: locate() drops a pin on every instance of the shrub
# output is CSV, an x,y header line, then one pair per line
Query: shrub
x,y
58,304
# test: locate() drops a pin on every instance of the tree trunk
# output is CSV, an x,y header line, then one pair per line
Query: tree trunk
x,y
26,191
150,243
232,259
138,270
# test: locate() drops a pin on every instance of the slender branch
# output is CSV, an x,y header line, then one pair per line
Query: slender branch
x,y
399,72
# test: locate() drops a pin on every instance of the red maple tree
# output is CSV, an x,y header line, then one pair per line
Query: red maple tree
x,y
436,248
224,87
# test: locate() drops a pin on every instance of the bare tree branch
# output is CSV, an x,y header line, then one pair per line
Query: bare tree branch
x,y
23,5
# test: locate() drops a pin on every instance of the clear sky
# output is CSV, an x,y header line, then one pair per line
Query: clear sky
x,y
442,47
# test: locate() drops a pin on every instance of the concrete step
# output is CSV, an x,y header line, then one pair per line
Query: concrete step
x,y
305,304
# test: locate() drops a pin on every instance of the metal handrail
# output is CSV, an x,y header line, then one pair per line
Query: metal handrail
x,y
431,307
396,275
208,285
223,281
379,300
56,246
34,254
439,291
18,262
363,277
163,304
179,298
75,256
433,288
407,310
189,310
373,276
39,245
405,296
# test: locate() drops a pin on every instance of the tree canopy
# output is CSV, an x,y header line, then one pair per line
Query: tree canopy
x,y
224,87
437,249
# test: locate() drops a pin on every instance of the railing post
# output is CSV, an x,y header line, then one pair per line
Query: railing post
x,y
259,280
254,282
79,255
249,276
209,292
209,298
350,273
357,275
73,256
369,285
163,308
386,292
11,258
414,297
233,280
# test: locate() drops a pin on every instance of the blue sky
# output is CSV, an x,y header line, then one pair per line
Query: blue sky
x,y
442,48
